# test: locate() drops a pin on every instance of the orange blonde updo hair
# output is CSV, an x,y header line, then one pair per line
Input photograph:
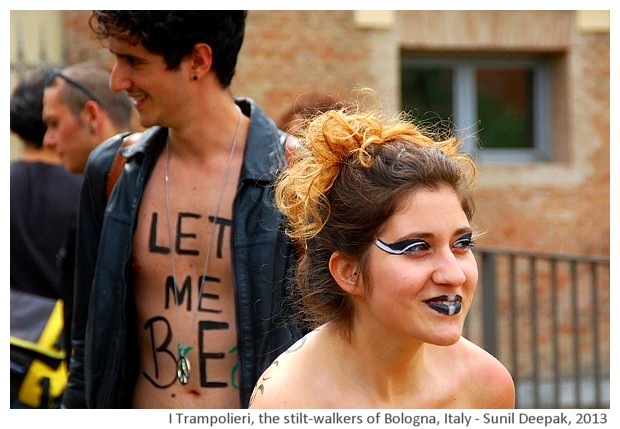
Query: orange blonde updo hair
x,y
350,173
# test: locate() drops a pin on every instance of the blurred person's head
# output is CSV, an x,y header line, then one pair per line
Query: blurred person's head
x,y
26,109
305,107
81,112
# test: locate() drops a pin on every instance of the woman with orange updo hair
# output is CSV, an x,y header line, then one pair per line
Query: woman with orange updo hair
x,y
381,211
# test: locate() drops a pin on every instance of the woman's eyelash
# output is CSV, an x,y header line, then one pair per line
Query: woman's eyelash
x,y
402,247
414,246
465,241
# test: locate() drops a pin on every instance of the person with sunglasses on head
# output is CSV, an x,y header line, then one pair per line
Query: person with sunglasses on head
x,y
383,213
182,280
81,112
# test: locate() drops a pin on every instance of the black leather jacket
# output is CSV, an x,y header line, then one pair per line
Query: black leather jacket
x,y
104,363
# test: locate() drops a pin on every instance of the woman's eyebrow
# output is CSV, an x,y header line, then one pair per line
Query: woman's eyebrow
x,y
429,235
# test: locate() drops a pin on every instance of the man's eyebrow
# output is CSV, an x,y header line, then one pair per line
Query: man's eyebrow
x,y
122,55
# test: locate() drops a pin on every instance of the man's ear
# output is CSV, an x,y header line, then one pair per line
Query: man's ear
x,y
201,60
92,115
345,272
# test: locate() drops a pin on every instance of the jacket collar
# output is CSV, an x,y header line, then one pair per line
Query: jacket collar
x,y
264,151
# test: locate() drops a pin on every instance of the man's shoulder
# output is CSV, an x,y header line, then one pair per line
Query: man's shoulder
x,y
129,143
102,155
264,154
259,120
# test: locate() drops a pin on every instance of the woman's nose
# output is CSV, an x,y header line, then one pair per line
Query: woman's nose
x,y
448,270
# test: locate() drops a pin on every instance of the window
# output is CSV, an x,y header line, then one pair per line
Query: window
x,y
499,106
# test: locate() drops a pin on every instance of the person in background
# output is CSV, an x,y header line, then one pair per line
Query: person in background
x,y
80,112
43,204
306,105
387,276
182,280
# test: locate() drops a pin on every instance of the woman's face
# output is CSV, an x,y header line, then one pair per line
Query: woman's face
x,y
422,271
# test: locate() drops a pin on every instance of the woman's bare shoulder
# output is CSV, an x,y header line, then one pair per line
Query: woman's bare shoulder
x,y
490,381
288,381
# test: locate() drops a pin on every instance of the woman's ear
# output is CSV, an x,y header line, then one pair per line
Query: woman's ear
x,y
345,272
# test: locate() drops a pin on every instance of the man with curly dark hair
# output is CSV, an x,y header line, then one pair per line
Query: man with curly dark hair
x,y
182,278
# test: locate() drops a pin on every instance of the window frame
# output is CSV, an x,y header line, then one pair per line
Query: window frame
x,y
465,100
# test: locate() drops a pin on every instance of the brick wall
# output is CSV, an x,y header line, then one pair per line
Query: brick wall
x,y
561,206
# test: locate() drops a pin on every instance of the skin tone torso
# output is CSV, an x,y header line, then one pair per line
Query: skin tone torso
x,y
203,320
324,371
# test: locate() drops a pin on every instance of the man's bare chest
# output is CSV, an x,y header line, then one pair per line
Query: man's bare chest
x,y
182,282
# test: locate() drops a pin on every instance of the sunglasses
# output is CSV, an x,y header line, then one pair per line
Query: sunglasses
x,y
74,83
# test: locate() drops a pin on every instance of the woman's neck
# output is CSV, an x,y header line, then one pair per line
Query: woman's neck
x,y
389,371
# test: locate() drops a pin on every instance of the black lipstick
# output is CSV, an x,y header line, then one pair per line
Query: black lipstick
x,y
446,304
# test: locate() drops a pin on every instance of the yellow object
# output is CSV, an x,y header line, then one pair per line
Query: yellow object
x,y
39,374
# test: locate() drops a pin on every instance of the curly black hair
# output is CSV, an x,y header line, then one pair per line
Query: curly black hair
x,y
174,33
